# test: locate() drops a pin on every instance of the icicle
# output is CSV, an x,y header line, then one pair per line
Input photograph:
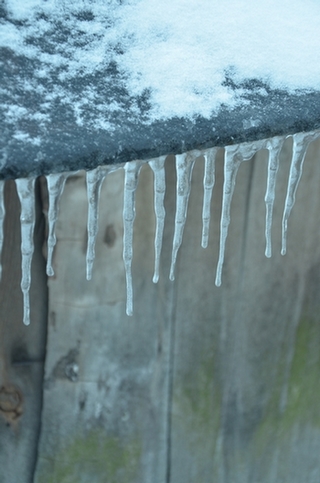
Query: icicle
x,y
184,167
157,166
25,189
234,155
2,215
94,180
208,184
55,183
301,142
274,146
132,170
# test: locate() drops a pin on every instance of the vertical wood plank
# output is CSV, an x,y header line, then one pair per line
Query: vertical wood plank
x,y
22,349
106,390
245,396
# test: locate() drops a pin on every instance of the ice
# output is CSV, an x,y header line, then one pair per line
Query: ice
x,y
132,170
157,166
274,146
94,179
2,215
55,183
25,189
234,155
184,167
301,142
208,184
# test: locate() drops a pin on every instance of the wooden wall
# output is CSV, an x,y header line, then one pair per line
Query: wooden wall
x,y
202,384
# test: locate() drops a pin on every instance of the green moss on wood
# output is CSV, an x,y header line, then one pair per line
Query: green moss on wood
x,y
197,410
302,388
96,458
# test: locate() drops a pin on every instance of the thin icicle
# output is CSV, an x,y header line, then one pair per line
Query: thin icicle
x,y
25,189
2,215
132,170
234,155
301,142
157,166
55,183
184,167
274,146
94,180
208,184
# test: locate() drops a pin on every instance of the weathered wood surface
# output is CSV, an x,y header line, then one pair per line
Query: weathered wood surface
x,y
22,349
202,384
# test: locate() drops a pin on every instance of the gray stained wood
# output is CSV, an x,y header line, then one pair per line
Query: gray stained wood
x,y
202,384
22,349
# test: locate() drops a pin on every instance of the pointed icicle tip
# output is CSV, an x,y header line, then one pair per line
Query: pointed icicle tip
x,y
301,142
25,190
184,168
55,184
132,170
94,181
208,184
157,166
274,146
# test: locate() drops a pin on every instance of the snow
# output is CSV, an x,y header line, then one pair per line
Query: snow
x,y
176,52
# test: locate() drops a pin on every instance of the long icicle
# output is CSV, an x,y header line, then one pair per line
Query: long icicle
x,y
301,142
274,146
184,167
94,179
131,170
208,184
25,189
231,166
157,166
55,183
234,155
2,215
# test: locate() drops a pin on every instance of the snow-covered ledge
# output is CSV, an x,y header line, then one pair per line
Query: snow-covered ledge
x,y
97,82
94,83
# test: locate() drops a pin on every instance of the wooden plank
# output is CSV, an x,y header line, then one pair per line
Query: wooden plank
x,y
246,358
243,402
22,349
106,393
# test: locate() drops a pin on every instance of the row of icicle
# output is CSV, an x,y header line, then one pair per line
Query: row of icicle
x,y
234,155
